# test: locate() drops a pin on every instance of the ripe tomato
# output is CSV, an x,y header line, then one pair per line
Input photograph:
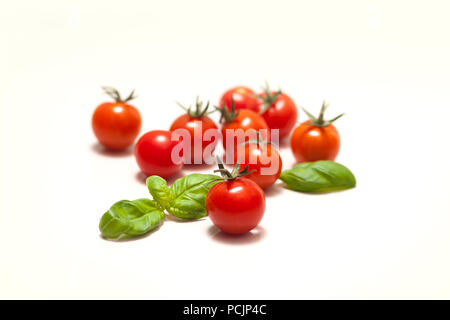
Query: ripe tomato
x,y
196,122
279,111
261,158
243,97
243,119
116,124
153,154
235,205
316,139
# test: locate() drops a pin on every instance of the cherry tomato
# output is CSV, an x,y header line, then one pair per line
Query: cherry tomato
x,y
279,111
243,97
153,154
261,158
246,120
116,124
316,139
236,206
196,122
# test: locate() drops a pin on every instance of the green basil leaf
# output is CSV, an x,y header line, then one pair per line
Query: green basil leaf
x,y
130,218
159,190
319,176
188,195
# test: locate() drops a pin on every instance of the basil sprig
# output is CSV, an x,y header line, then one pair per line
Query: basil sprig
x,y
185,199
318,177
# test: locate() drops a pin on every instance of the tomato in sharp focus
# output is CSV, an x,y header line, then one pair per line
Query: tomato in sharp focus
x,y
246,120
116,124
153,154
261,158
235,205
197,123
316,139
279,111
243,97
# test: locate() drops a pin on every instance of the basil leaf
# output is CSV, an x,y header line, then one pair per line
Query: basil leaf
x,y
319,176
130,218
188,195
159,190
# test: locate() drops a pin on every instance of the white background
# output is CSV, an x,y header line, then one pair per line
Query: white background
x,y
384,63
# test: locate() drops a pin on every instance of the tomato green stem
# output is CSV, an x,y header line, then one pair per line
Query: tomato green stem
x,y
114,93
269,98
320,121
225,115
259,141
235,173
199,111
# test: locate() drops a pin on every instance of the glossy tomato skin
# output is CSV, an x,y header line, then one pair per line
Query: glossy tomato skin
x,y
153,154
281,115
236,206
196,128
245,120
264,159
311,143
116,124
243,98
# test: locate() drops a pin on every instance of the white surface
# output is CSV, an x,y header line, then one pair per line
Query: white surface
x,y
384,63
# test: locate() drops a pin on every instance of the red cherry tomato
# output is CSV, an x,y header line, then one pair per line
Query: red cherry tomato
x,y
243,97
197,128
116,124
236,206
196,122
261,158
246,120
315,139
279,111
153,154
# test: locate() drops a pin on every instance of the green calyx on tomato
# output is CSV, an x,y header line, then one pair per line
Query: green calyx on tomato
x,y
114,93
259,141
234,174
225,115
199,110
320,121
269,97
